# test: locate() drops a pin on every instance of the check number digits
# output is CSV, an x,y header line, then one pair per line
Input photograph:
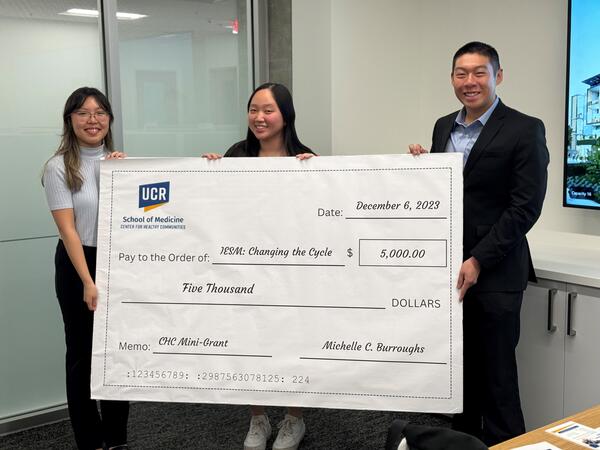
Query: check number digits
x,y
158,374
252,377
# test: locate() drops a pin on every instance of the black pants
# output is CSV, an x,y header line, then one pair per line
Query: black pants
x,y
492,407
91,430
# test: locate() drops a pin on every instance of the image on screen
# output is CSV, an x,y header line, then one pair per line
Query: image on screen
x,y
582,128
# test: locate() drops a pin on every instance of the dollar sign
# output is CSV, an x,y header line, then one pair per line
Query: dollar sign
x,y
350,253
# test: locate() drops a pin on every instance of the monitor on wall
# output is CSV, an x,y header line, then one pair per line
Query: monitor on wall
x,y
582,127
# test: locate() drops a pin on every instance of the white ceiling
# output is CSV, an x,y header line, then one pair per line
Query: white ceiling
x,y
164,17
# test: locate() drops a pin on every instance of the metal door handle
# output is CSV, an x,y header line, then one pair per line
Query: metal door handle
x,y
570,298
551,327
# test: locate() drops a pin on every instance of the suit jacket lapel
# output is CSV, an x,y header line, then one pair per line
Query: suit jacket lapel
x,y
489,131
445,134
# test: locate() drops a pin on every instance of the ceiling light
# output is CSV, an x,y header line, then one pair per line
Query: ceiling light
x,y
130,16
94,13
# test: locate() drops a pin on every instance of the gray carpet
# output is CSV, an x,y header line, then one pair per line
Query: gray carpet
x,y
178,426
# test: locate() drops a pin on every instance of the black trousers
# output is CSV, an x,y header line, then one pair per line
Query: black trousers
x,y
91,429
491,327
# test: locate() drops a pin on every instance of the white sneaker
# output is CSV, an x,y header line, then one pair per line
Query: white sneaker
x,y
258,434
291,432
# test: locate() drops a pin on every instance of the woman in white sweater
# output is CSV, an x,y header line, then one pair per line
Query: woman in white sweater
x,y
71,179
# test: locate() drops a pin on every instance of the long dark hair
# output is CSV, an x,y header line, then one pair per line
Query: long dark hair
x,y
69,145
284,101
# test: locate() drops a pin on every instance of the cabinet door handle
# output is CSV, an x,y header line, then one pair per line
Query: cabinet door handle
x,y
570,299
551,327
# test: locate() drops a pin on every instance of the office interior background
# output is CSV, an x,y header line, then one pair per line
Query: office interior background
x,y
368,77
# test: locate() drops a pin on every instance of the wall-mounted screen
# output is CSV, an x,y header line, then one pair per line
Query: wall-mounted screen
x,y
582,128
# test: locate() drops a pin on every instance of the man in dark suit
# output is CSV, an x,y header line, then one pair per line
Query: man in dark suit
x,y
505,175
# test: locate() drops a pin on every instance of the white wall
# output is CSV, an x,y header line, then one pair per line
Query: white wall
x,y
390,63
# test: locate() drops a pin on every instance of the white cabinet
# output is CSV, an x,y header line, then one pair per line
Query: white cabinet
x,y
540,353
582,351
559,351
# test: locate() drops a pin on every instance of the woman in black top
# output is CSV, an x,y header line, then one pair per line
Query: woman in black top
x,y
271,129
271,132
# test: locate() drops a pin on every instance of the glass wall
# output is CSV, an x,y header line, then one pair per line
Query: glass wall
x,y
184,76
184,80
46,55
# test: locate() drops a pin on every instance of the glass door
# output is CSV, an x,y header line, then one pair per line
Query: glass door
x,y
184,75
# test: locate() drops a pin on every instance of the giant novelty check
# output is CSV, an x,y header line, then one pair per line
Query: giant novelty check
x,y
328,282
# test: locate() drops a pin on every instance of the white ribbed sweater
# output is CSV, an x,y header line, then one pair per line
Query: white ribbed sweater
x,y
83,202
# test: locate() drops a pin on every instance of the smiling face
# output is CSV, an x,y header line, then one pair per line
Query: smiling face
x,y
90,123
264,118
474,83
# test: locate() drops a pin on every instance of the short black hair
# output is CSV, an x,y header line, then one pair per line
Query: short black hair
x,y
481,49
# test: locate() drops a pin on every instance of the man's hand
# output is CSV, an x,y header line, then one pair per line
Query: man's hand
x,y
467,277
416,149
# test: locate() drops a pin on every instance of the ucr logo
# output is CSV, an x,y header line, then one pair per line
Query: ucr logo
x,y
153,195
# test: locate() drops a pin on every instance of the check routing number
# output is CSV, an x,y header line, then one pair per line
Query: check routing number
x,y
328,282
